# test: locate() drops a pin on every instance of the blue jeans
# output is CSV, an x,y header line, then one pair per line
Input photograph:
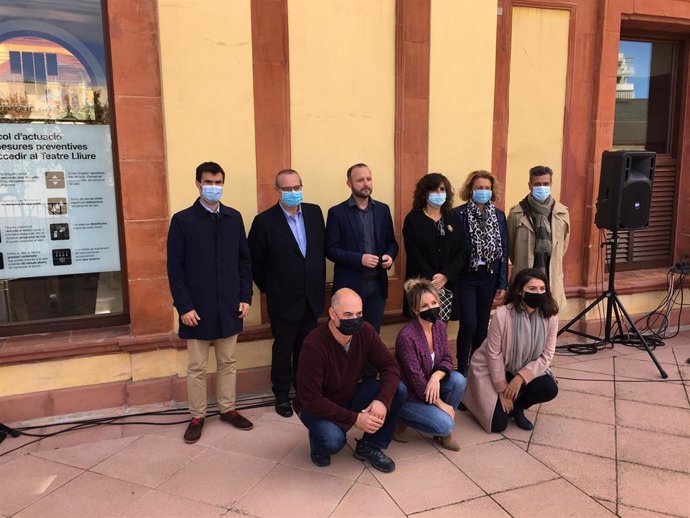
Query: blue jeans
x,y
327,438
430,418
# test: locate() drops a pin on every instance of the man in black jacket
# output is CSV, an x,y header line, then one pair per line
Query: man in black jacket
x,y
209,270
288,258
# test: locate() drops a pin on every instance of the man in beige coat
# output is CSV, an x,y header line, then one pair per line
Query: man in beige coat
x,y
539,231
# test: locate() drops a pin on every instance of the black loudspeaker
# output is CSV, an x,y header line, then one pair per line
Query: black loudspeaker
x,y
625,189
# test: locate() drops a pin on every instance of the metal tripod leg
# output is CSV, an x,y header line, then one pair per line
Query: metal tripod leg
x,y
618,303
566,328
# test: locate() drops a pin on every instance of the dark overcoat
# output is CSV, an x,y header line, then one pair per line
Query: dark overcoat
x,y
209,270
291,282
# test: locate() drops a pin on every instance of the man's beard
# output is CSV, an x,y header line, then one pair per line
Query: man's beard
x,y
362,194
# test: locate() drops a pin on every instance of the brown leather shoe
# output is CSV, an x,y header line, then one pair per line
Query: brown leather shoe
x,y
237,420
448,442
193,432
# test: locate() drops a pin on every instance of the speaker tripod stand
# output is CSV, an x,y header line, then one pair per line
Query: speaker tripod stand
x,y
614,308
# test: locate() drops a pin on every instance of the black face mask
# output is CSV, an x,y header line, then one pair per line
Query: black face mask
x,y
534,300
430,315
349,326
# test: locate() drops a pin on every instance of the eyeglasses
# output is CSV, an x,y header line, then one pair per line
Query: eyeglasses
x,y
296,188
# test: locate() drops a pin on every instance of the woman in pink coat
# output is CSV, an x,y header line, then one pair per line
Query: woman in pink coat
x,y
510,370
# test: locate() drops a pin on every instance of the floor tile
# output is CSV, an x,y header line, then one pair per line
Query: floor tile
x,y
598,388
664,393
655,418
149,460
550,499
468,431
654,449
269,439
575,435
159,425
314,494
426,482
77,437
88,495
611,506
499,466
515,432
368,479
578,405
343,465
363,500
600,365
483,507
625,511
654,489
663,354
643,370
20,445
233,474
85,455
155,504
596,476
27,479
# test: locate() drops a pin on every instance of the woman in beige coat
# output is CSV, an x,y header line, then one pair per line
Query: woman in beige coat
x,y
510,371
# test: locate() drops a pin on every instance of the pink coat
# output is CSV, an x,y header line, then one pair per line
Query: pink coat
x,y
487,376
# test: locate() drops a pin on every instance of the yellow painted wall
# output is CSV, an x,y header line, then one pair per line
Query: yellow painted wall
x,y
208,100
538,63
342,94
461,87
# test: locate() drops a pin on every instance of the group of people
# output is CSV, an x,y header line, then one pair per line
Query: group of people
x,y
344,375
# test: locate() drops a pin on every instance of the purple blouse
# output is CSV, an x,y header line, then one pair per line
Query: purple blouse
x,y
414,357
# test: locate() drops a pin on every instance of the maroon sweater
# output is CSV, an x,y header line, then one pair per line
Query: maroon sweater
x,y
327,376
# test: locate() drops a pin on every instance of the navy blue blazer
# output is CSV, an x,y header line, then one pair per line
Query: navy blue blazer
x,y
344,244
292,282
209,270
501,264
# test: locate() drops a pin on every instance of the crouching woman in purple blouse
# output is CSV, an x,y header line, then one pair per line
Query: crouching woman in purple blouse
x,y
434,389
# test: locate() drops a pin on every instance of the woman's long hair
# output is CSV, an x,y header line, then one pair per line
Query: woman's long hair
x,y
548,309
431,182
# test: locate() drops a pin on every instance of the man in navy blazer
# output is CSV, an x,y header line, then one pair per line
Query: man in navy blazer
x,y
361,243
287,244
210,276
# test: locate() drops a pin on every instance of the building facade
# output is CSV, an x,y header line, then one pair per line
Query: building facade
x,y
106,108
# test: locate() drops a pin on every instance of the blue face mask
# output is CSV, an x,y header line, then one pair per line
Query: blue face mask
x,y
436,199
482,195
541,192
291,198
212,193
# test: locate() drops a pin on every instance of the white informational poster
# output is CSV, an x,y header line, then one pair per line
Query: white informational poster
x,y
58,213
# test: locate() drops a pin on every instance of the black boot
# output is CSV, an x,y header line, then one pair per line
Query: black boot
x,y
519,415
367,451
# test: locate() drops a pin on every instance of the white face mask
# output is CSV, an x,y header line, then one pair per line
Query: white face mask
x,y
212,193
541,192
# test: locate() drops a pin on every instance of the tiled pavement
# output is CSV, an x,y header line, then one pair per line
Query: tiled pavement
x,y
602,448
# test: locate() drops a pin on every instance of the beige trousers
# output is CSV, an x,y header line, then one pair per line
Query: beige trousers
x,y
226,375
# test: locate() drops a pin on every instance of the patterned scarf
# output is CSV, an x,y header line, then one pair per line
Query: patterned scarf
x,y
540,213
485,235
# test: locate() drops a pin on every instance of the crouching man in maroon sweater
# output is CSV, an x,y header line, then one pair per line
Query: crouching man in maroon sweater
x,y
331,398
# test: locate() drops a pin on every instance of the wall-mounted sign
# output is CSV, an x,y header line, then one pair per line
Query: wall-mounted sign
x,y
57,200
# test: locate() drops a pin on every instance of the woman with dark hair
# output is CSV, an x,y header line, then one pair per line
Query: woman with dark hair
x,y
433,237
434,389
485,275
510,371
